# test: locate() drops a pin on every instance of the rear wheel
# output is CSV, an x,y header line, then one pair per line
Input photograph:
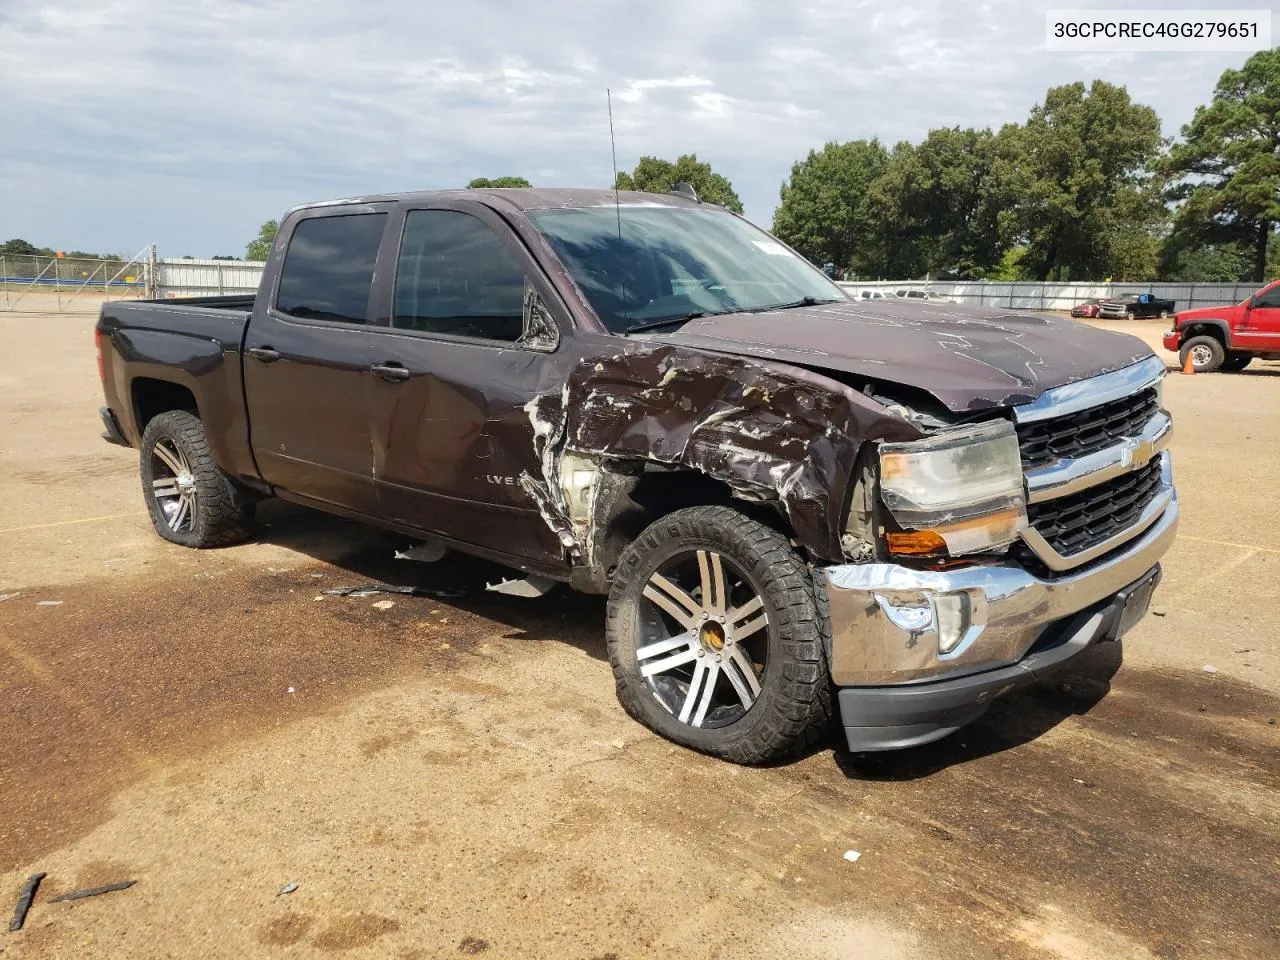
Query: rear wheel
x,y
190,500
1130,315
718,637
1164,314
1206,353
1236,362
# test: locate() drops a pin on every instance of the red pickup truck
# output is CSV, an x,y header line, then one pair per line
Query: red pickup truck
x,y
1228,338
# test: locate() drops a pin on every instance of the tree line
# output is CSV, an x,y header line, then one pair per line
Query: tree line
x,y
1085,189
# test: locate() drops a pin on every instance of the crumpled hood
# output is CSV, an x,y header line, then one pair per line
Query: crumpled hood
x,y
969,358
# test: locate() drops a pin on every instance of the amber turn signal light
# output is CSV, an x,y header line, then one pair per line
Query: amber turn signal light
x,y
916,543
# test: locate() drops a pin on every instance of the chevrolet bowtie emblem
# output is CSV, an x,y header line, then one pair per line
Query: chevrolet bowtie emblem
x,y
1127,450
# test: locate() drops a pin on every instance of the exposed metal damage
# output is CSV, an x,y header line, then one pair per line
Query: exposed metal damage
x,y
771,433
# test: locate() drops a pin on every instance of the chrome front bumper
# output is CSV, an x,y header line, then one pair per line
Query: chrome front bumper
x,y
885,620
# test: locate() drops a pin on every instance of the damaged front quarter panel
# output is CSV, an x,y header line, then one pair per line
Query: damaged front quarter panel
x,y
771,432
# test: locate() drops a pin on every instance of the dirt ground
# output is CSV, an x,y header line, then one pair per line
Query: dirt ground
x,y
452,775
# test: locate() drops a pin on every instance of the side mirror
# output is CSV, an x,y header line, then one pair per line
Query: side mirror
x,y
540,330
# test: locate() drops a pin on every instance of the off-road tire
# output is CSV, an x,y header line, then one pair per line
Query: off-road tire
x,y
793,708
223,513
1236,362
1217,354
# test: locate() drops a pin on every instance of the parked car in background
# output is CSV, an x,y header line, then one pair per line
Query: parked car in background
x,y
875,295
1135,306
1087,309
926,295
1229,337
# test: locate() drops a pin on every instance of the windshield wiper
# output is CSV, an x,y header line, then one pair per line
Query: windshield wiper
x,y
683,318
802,302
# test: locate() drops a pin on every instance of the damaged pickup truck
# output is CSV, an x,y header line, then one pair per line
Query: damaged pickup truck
x,y
800,506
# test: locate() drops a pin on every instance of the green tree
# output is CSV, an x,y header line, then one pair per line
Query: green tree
x,y
260,248
479,182
21,248
660,176
936,207
824,211
1182,260
1225,175
1079,168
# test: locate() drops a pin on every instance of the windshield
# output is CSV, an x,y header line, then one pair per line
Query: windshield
x,y
672,263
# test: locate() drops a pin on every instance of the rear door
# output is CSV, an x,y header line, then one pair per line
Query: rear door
x,y
308,356
1261,327
452,436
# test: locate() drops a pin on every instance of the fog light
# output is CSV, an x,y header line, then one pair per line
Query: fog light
x,y
952,612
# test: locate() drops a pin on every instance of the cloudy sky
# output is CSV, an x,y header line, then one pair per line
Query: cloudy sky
x,y
127,122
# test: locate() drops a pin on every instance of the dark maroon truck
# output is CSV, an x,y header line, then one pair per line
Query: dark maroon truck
x,y
800,506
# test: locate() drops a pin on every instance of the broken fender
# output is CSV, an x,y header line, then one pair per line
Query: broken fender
x,y
771,432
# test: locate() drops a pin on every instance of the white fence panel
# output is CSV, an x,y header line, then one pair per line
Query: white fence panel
x,y
1034,295
206,278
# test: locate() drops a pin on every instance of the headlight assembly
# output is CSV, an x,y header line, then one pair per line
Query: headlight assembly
x,y
960,491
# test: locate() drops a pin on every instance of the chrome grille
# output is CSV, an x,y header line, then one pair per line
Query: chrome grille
x,y
1076,434
1082,520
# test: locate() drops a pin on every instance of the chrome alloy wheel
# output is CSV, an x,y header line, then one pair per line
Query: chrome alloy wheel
x,y
1201,355
174,486
703,639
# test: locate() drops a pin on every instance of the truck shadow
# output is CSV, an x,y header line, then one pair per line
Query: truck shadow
x,y
459,581
1012,721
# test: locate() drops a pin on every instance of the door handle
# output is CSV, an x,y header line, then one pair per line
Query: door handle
x,y
265,354
393,372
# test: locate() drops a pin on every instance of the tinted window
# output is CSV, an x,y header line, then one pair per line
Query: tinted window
x,y
456,276
328,268
1271,298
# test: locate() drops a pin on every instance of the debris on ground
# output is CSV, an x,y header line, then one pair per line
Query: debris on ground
x,y
428,552
1158,613
384,605
94,891
1210,668
444,593
286,889
9,596
852,856
49,603
27,894
291,690
531,587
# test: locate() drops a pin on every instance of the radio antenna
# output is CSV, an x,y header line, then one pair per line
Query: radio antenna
x,y
613,146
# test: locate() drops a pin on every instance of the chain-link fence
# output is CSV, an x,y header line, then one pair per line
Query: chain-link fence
x,y
61,283
40,284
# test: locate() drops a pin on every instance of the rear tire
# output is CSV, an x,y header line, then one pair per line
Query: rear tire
x,y
736,632
1206,353
1236,362
190,500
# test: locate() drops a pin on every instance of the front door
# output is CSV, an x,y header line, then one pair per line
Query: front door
x,y
307,362
1261,327
452,433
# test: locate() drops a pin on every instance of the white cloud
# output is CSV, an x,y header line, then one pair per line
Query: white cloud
x,y
128,121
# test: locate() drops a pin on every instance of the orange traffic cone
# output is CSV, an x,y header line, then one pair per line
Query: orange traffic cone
x,y
1189,366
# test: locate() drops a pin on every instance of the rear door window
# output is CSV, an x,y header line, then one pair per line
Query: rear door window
x,y
328,268
456,277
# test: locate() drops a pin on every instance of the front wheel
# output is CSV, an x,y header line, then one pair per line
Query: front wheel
x,y
1206,354
190,500
717,636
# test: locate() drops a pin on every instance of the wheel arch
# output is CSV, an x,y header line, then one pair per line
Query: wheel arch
x,y
1218,329
626,499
